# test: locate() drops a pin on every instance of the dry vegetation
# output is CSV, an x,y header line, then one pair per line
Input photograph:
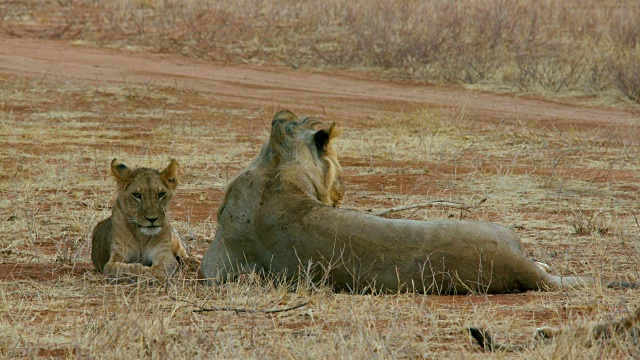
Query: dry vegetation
x,y
576,47
570,191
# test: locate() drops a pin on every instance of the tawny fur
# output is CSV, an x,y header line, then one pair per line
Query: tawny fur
x,y
137,238
279,216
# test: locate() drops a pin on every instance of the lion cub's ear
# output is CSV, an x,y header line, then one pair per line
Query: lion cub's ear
x,y
121,172
170,174
324,136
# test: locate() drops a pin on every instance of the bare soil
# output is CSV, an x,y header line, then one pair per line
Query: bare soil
x,y
226,110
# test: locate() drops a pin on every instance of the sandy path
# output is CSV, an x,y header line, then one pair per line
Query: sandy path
x,y
250,86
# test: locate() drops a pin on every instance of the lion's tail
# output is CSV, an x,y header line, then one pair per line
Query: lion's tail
x,y
560,282
622,285
628,326
487,342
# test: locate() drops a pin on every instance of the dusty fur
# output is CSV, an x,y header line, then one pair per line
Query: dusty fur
x,y
137,238
280,216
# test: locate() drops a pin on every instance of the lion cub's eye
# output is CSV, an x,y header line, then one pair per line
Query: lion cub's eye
x,y
161,195
137,195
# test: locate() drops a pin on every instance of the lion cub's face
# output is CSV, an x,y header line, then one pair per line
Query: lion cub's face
x,y
144,194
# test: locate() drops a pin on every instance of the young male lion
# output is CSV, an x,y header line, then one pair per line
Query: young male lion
x,y
137,238
279,216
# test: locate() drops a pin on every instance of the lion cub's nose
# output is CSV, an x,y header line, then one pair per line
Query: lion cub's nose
x,y
151,219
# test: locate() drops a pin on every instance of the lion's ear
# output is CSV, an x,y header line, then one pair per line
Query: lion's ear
x,y
285,115
170,174
120,171
282,123
324,136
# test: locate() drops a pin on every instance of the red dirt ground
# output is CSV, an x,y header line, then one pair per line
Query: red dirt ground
x,y
342,96
41,272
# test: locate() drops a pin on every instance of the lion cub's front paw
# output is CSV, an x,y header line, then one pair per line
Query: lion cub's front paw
x,y
117,273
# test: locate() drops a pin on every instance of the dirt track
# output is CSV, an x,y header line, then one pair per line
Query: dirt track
x,y
336,95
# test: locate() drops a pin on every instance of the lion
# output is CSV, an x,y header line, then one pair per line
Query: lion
x,y
137,238
280,216
628,327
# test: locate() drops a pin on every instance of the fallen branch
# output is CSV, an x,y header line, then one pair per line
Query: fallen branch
x,y
242,310
441,203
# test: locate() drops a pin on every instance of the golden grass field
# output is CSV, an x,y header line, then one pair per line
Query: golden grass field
x,y
562,172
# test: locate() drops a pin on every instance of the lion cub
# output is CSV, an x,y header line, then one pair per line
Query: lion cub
x,y
137,239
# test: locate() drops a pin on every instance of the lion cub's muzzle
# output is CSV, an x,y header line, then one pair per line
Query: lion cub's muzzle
x,y
151,225
152,220
150,230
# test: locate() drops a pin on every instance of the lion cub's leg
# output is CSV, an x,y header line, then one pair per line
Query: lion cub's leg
x,y
163,265
119,271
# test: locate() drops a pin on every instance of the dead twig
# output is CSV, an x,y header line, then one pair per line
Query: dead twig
x,y
242,310
441,203
293,65
192,263
33,233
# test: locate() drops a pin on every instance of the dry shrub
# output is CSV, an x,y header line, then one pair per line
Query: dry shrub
x,y
626,75
521,45
588,222
431,40
549,68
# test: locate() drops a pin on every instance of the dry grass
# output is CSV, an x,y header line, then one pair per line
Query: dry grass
x,y
557,187
576,47
570,191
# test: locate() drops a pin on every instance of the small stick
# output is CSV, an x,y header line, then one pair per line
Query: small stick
x,y
442,203
95,163
242,310
33,234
